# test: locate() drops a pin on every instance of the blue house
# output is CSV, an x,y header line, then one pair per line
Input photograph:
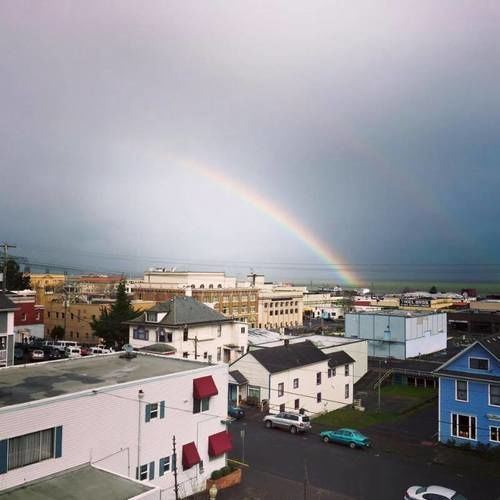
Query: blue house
x,y
469,395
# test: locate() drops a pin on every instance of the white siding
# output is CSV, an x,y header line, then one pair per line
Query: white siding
x,y
103,428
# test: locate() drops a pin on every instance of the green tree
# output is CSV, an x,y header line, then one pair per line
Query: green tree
x,y
110,325
15,279
57,333
433,289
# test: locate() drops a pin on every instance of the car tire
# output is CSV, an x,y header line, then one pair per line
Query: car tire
x,y
352,446
293,429
269,424
325,439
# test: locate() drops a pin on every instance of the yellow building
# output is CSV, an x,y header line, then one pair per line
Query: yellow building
x,y
45,284
76,318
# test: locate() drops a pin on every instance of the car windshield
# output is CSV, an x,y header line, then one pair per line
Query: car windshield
x,y
422,489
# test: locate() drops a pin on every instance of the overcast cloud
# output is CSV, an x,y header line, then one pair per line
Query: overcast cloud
x,y
374,124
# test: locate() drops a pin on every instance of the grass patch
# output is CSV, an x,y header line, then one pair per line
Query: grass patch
x,y
347,417
408,392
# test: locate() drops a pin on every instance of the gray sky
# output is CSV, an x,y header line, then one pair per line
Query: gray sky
x,y
375,125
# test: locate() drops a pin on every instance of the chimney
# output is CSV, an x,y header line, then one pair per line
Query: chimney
x,y
286,342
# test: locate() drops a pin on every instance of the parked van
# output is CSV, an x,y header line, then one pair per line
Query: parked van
x,y
73,352
63,344
94,350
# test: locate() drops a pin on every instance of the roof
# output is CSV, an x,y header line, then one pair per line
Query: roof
x,y
6,304
339,358
238,377
160,347
320,341
25,383
492,344
285,357
469,375
78,484
181,311
398,313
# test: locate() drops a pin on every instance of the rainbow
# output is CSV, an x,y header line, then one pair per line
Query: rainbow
x,y
279,215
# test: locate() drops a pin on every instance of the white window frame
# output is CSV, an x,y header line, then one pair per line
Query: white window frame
x,y
347,391
295,383
462,415
478,357
153,410
346,370
319,378
142,472
489,396
497,427
456,391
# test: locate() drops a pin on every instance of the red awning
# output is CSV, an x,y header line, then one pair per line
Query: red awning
x,y
204,387
219,443
190,455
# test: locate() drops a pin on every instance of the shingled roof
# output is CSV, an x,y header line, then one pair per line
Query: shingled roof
x,y
339,358
181,311
285,357
492,344
6,304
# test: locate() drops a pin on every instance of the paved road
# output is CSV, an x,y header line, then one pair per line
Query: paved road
x,y
345,473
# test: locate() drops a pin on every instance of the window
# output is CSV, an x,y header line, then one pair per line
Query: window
x,y
243,330
270,313
495,434
479,363
57,315
318,397
48,314
281,389
219,329
72,316
461,390
494,395
153,410
211,285
295,383
142,473
334,372
205,355
23,317
185,354
151,316
282,409
463,426
200,405
140,333
164,465
185,334
346,391
318,378
346,370
34,447
297,404
219,353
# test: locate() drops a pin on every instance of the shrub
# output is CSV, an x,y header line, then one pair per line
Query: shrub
x,y
225,470
216,474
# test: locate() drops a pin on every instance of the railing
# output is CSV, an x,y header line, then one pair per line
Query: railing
x,y
381,379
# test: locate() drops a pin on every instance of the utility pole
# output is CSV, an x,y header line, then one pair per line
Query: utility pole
x,y
379,383
6,247
174,459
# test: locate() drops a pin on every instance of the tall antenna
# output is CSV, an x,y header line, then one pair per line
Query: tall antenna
x,y
6,247
174,459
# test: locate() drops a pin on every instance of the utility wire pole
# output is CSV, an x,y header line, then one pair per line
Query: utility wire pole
x,y
6,247
174,459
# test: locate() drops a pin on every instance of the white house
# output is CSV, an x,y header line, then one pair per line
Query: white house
x,y
398,334
7,309
117,412
356,348
297,376
189,329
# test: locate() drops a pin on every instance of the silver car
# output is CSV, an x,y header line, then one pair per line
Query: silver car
x,y
293,422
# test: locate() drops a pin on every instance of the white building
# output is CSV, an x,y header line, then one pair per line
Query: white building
x,y
398,334
116,412
189,329
357,349
165,278
7,309
297,376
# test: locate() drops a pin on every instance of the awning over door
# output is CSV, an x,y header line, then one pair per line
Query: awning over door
x,y
204,387
219,443
190,455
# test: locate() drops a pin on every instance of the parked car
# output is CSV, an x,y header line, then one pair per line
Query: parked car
x,y
104,349
432,493
36,354
349,437
73,352
293,422
84,351
63,344
51,353
236,412
19,353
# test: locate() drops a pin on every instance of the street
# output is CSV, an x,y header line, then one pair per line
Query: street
x,y
344,473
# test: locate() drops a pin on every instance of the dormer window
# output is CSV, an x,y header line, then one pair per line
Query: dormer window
x,y
479,363
151,317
